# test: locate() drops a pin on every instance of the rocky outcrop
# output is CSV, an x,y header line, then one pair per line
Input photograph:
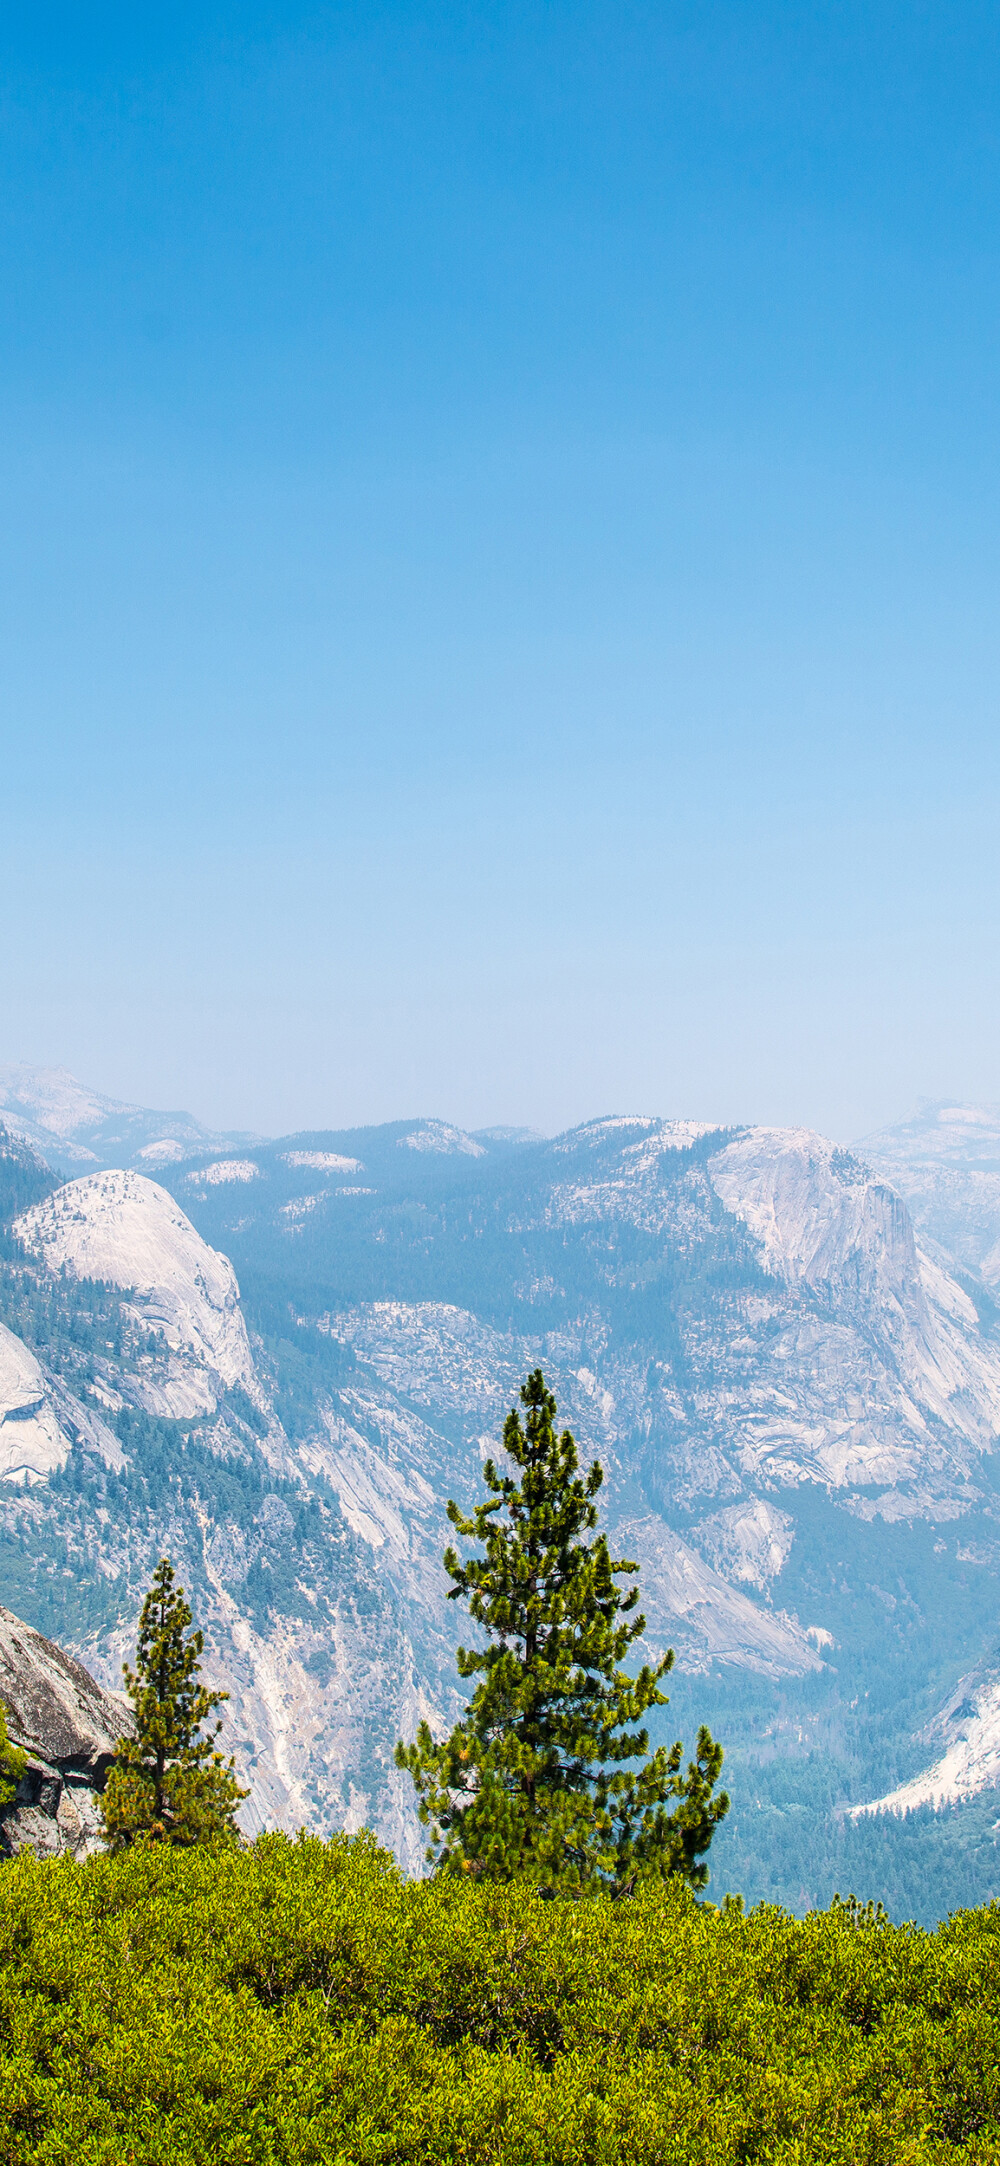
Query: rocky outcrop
x,y
40,1420
69,1729
966,1732
31,1440
778,1381
125,1230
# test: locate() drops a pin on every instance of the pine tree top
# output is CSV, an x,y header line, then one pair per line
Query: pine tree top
x,y
169,1783
165,1688
534,1778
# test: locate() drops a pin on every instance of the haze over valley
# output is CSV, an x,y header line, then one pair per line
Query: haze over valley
x,y
277,1358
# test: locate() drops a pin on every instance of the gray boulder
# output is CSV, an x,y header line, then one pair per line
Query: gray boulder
x,y
70,1729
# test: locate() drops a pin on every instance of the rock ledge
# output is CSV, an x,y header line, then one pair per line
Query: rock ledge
x,y
70,1729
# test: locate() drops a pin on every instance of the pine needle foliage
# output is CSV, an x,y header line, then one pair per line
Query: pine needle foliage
x,y
168,1784
533,1781
12,1762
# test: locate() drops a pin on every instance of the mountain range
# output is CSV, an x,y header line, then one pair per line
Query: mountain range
x,y
77,1130
276,1360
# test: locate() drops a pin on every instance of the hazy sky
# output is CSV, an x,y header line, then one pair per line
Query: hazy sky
x,y
500,555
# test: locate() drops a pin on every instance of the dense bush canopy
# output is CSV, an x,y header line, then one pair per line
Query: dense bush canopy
x,y
298,2001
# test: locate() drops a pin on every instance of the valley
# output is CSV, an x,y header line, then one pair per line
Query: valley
x,y
276,1360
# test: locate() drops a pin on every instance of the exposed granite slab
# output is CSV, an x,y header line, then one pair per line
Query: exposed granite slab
x,y
70,1729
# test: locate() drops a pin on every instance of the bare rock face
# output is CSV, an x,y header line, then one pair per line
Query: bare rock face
x,y
31,1440
126,1230
70,1730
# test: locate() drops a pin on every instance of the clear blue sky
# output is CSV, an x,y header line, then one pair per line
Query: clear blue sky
x,y
500,554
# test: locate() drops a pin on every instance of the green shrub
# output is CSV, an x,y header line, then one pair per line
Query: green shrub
x,y
299,2002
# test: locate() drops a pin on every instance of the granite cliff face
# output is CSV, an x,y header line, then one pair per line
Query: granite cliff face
x,y
32,1442
69,1729
964,1739
827,1229
139,1421
796,1405
124,1231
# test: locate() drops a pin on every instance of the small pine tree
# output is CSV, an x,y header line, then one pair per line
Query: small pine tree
x,y
12,1762
532,1780
168,1784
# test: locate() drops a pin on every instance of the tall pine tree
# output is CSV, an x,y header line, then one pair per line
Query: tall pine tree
x,y
168,1784
534,1779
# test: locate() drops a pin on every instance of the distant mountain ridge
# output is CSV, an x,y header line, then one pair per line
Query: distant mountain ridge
x,y
796,1402
946,1161
940,1131
76,1128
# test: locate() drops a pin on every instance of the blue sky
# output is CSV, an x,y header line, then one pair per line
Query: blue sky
x,y
499,558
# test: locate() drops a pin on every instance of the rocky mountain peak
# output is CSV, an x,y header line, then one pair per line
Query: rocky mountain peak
x,y
75,1127
821,1217
124,1229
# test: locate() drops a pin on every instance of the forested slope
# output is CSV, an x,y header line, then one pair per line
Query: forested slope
x,y
796,1408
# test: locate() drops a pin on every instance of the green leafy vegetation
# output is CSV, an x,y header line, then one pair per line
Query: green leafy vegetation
x,y
12,1762
298,2002
167,1783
